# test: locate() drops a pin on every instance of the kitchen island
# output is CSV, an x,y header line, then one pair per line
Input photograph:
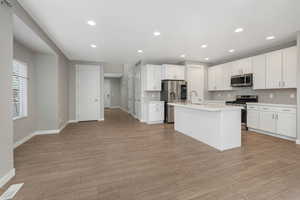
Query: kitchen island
x,y
218,126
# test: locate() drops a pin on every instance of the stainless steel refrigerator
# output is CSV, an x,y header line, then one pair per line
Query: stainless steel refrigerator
x,y
173,91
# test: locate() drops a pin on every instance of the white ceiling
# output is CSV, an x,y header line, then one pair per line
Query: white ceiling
x,y
24,35
123,27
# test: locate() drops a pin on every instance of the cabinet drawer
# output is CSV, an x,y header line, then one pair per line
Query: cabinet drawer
x,y
287,110
253,107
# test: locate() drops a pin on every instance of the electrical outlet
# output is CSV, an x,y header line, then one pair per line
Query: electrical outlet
x,y
292,96
271,96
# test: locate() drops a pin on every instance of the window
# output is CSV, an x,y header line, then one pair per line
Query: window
x,y
19,87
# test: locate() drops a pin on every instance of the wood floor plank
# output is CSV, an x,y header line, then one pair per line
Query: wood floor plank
x,y
122,159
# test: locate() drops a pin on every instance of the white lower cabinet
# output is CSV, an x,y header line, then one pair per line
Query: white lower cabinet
x,y
273,119
267,119
253,118
155,112
286,124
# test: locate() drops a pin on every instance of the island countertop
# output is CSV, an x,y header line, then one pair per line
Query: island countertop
x,y
207,107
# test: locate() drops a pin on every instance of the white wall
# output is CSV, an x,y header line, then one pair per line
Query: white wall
x,y
6,124
298,87
112,68
26,126
46,91
63,90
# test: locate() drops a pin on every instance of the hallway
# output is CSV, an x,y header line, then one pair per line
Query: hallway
x,y
122,159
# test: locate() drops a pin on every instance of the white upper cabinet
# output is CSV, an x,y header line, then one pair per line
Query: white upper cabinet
x,y
243,66
153,77
195,80
274,70
259,72
227,73
173,72
289,67
219,77
211,79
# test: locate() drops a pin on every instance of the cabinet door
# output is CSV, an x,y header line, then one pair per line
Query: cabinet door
x,y
195,77
259,72
155,112
236,70
157,76
180,72
245,65
219,78
289,68
153,76
227,68
253,118
286,124
274,70
267,121
211,79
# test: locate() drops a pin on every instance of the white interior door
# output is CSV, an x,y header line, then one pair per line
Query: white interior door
x,y
88,93
107,93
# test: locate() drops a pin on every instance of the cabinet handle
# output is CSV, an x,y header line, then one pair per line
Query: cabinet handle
x,y
273,116
283,83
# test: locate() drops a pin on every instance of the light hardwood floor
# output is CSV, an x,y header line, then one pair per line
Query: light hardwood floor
x,y
122,159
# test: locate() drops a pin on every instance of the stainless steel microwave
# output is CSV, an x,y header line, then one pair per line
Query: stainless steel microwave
x,y
245,80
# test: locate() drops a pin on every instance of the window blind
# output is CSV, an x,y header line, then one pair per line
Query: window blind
x,y
19,87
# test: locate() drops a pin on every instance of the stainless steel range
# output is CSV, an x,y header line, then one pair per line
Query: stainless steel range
x,y
242,100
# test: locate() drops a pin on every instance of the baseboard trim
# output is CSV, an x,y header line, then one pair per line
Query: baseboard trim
x,y
124,110
42,132
7,177
115,107
297,141
272,134
46,132
156,122
72,121
25,139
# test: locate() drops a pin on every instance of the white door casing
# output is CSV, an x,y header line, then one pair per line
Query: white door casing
x,y
107,93
87,92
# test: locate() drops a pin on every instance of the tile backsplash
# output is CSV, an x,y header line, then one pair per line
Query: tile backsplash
x,y
276,96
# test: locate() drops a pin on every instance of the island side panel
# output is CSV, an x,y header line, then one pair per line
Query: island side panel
x,y
200,125
230,129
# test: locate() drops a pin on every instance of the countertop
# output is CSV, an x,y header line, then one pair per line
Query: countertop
x,y
274,105
208,107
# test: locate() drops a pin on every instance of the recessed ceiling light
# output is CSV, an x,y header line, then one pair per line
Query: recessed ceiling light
x,y
231,50
156,33
203,45
182,56
272,37
238,30
93,46
140,51
91,23
206,58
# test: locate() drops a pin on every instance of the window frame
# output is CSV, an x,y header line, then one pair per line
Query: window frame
x,y
25,103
